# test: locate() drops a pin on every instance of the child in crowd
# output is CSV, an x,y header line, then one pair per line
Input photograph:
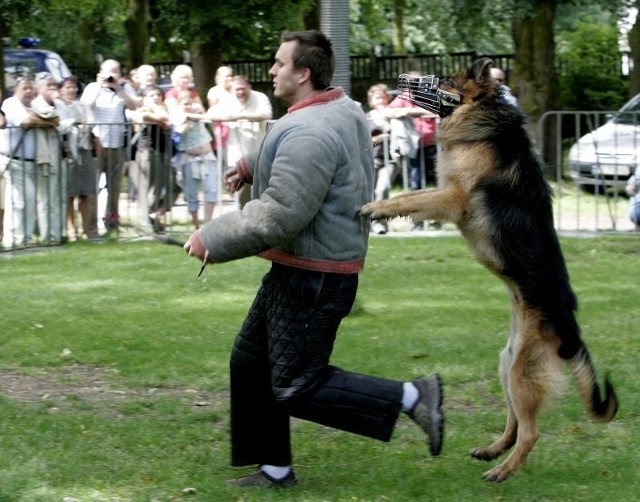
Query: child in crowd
x,y
195,160
149,172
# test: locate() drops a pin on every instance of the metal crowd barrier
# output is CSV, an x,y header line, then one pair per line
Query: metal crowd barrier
x,y
405,176
32,202
135,181
36,190
594,154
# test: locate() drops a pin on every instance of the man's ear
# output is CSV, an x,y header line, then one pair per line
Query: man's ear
x,y
304,76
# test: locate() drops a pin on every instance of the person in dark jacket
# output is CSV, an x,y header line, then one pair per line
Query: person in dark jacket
x,y
312,174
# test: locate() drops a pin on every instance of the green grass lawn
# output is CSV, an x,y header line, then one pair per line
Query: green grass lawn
x,y
114,381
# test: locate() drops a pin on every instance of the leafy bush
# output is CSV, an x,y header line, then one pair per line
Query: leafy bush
x,y
590,68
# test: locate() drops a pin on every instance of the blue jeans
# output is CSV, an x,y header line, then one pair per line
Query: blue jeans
x,y
195,169
634,210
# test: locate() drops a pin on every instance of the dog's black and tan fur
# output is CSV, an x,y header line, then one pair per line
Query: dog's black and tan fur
x,y
491,185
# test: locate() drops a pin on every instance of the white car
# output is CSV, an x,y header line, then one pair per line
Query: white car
x,y
606,157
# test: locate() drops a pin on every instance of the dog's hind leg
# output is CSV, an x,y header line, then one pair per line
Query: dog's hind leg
x,y
529,379
508,438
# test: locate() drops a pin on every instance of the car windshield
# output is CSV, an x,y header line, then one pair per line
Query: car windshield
x,y
629,114
20,66
26,62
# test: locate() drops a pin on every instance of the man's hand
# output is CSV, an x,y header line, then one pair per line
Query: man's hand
x,y
232,180
631,187
194,247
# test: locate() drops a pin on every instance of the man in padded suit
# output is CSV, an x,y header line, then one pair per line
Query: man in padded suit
x,y
313,172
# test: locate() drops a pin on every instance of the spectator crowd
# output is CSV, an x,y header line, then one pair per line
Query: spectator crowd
x,y
68,153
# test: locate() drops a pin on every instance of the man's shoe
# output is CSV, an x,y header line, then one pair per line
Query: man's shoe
x,y
261,478
427,412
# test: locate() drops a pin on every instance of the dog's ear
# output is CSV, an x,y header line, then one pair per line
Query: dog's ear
x,y
480,71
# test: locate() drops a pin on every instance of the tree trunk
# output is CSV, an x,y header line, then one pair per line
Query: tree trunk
x,y
399,7
536,80
312,18
136,27
634,45
3,90
206,58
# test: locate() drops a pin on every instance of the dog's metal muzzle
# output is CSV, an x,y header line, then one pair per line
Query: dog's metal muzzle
x,y
424,92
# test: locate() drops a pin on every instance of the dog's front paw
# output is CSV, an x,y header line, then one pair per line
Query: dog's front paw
x,y
373,210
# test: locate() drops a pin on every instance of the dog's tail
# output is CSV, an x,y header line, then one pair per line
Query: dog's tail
x,y
584,374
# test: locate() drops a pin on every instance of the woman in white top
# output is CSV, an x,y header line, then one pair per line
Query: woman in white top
x,y
182,81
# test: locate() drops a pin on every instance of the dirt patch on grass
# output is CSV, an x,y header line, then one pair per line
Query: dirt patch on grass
x,y
101,390
97,386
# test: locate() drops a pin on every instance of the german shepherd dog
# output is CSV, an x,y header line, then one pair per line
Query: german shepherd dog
x,y
491,185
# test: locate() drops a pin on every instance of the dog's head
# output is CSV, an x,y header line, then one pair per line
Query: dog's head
x,y
443,95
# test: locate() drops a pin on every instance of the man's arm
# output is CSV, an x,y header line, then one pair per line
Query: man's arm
x,y
264,109
90,95
130,100
153,116
34,120
403,108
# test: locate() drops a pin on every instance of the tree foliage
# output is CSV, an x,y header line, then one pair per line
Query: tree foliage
x,y
132,31
82,31
9,13
590,79
371,26
137,28
430,26
245,29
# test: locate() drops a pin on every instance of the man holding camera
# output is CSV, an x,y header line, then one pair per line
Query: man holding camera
x,y
107,98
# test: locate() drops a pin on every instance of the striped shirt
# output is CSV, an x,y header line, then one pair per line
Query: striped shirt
x,y
107,113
